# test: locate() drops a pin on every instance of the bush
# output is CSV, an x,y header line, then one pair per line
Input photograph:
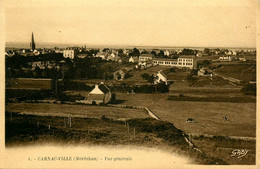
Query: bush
x,y
181,95
249,89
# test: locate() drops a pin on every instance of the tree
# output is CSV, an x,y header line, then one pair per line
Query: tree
x,y
206,51
162,87
161,54
150,79
188,52
135,52
145,76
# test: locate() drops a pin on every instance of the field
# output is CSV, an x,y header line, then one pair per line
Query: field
x,y
65,110
209,115
245,72
220,147
29,84
23,130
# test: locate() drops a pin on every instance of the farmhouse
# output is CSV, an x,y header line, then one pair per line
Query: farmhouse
x,y
120,74
112,57
100,94
202,72
160,77
133,59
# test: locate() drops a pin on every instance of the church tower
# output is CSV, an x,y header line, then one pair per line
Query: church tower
x,y
32,43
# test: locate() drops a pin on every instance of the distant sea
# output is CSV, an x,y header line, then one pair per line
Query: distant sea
x,y
26,45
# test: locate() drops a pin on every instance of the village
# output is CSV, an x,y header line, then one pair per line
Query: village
x,y
122,84
202,92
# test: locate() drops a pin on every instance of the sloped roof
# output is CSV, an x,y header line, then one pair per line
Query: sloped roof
x,y
104,88
162,74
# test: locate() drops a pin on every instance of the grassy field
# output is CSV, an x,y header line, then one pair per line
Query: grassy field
x,y
209,115
23,130
219,147
245,72
48,109
35,84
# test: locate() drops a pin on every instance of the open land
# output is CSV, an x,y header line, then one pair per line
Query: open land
x,y
65,110
206,100
34,130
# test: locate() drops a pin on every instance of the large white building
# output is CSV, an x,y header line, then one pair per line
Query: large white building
x,y
187,61
69,53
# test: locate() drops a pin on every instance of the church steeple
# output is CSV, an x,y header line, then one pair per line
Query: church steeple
x,y
32,43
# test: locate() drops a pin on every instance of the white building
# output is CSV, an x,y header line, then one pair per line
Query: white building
x,y
160,77
187,61
166,53
165,62
226,58
69,53
145,57
133,59
100,94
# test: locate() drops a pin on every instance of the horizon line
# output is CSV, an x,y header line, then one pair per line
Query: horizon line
x,y
132,45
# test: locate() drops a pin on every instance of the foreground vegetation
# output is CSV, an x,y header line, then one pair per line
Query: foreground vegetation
x,y
23,130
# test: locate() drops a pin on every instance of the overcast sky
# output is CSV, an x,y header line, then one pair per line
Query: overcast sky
x,y
200,23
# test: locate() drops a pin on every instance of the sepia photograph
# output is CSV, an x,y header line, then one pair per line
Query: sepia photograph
x,y
128,83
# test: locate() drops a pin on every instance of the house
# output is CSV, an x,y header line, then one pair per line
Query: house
x,y
241,58
145,64
39,64
112,57
69,53
100,94
133,59
202,72
199,54
166,53
145,57
119,60
120,74
226,58
82,55
101,55
160,77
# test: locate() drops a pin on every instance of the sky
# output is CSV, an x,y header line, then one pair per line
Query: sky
x,y
200,23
